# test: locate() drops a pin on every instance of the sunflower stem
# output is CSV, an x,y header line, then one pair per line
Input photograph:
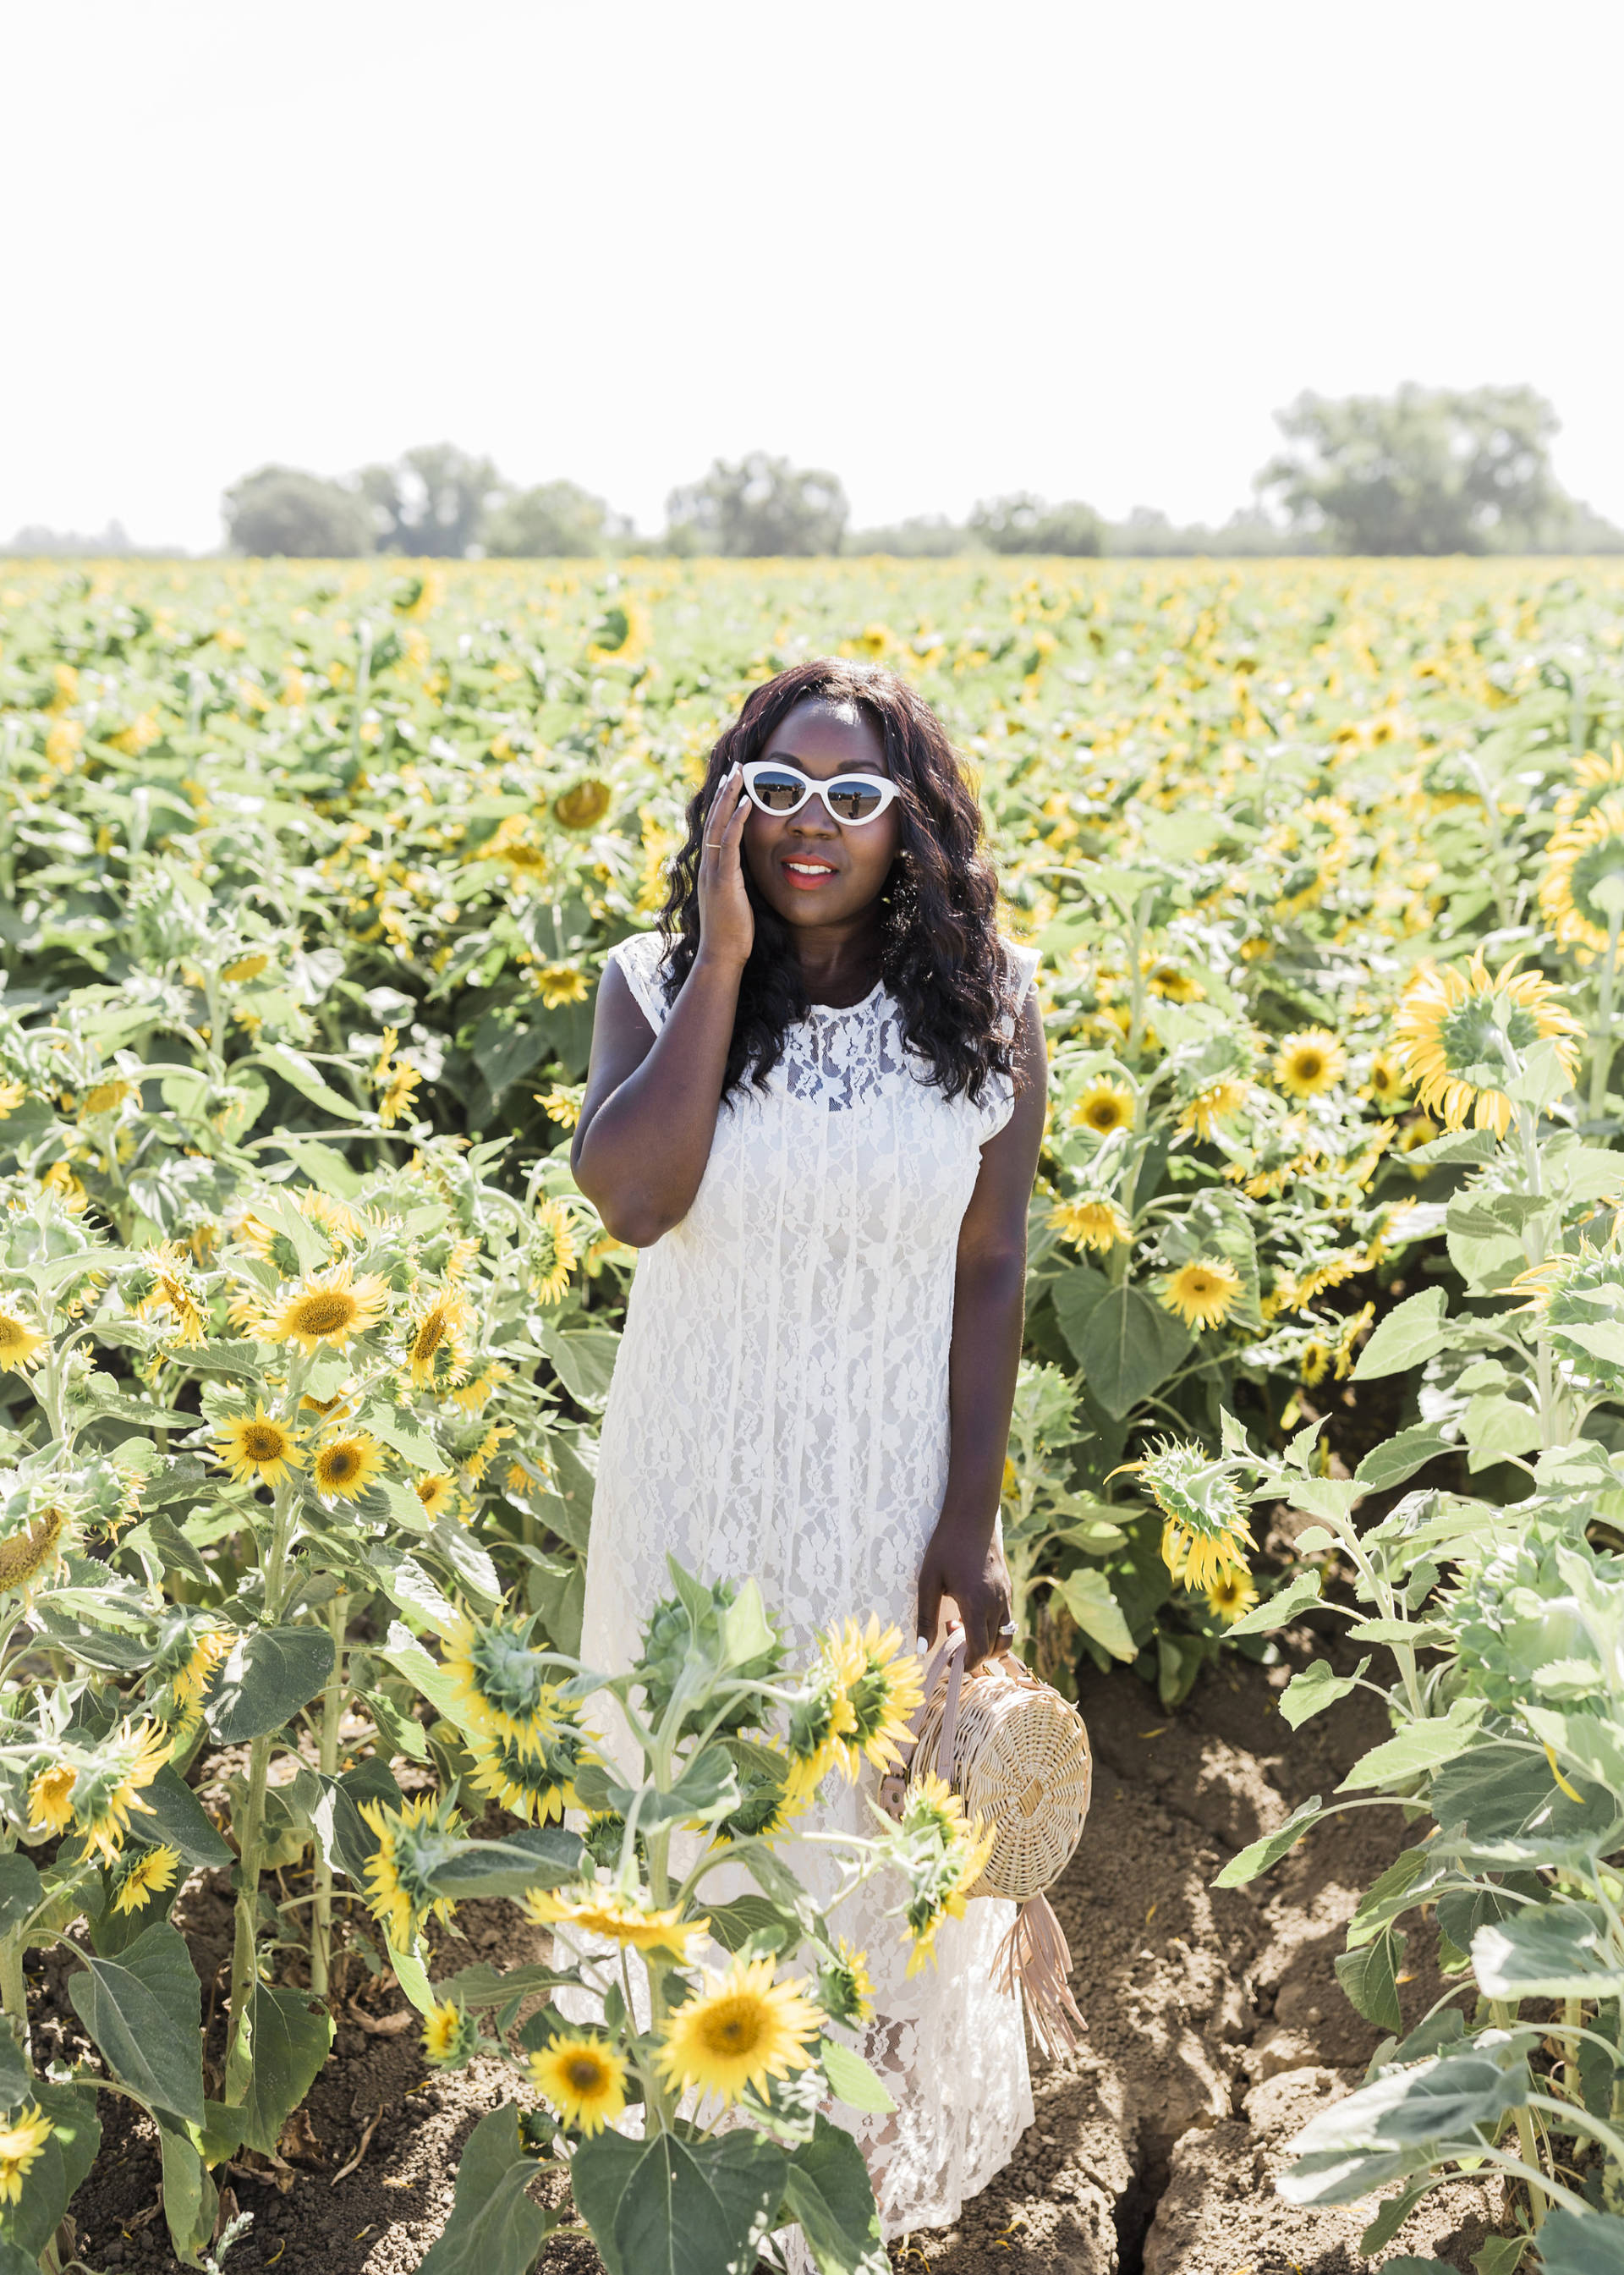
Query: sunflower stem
x,y
1601,1033
332,1714
13,1985
250,1835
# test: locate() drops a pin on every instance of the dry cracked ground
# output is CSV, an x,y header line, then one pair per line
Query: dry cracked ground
x,y
1217,2028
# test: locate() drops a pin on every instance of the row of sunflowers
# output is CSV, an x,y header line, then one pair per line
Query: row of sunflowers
x,y
305,1330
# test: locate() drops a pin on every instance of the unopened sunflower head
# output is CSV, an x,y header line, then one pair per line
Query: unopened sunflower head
x,y
1580,1296
503,1686
1464,1035
845,1987
1205,1529
412,1840
821,1720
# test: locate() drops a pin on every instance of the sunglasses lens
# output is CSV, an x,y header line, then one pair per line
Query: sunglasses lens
x,y
852,801
779,793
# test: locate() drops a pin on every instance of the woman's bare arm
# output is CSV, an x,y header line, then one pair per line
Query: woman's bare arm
x,y
962,1559
649,1114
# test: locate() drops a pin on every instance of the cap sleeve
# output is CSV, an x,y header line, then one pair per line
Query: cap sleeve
x,y
1020,966
640,961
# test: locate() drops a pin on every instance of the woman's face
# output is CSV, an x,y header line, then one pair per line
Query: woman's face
x,y
810,868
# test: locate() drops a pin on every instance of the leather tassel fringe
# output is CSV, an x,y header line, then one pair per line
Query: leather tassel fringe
x,y
1035,1959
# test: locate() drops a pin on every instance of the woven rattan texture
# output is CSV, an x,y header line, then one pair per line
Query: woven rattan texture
x,y
1021,1758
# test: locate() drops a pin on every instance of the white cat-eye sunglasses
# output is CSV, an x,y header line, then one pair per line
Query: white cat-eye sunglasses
x,y
775,788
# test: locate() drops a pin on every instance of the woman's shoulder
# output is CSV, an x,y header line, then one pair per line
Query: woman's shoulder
x,y
641,962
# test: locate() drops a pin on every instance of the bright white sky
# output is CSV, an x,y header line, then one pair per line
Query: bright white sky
x,y
946,249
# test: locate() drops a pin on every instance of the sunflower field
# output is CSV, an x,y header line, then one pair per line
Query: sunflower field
x,y
307,876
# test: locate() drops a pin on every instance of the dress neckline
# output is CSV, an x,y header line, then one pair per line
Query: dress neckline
x,y
844,1010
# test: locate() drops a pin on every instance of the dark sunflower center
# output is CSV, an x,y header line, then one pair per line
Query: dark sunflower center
x,y
585,2075
262,1442
324,1313
342,1464
431,1334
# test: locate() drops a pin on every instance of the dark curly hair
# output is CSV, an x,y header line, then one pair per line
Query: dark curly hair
x,y
940,956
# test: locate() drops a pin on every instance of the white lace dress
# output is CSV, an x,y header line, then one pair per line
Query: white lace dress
x,y
780,1408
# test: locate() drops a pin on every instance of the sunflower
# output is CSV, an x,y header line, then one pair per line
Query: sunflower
x,y
104,1796
412,1839
559,984
256,1449
1202,1293
583,806
207,1649
1095,1220
105,1098
51,1798
583,2078
450,2035
245,968
1105,1106
147,1874
820,1719
28,1555
741,2030
552,1253
1385,1088
1204,1530
560,1105
345,1467
1220,1101
502,1685
845,1988
1462,1034
485,1452
1166,977
473,1395
604,1911
438,1493
1230,1594
1315,1362
1583,858
1310,1062
883,1688
536,1783
21,2140
330,1308
1329,1272
948,1865
397,1079
19,1345
436,1353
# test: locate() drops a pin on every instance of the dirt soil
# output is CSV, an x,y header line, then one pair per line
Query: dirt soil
x,y
1217,2028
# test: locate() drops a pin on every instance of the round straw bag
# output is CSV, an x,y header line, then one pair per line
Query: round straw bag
x,y
1017,1755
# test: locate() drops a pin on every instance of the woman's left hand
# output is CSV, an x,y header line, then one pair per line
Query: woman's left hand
x,y
978,1579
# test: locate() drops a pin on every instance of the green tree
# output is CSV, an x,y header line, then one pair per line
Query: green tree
x,y
922,537
282,511
1021,523
762,507
555,518
1426,470
431,502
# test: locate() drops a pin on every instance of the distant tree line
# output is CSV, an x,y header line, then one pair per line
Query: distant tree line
x,y
1422,470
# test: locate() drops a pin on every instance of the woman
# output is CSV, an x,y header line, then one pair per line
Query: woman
x,y
817,1104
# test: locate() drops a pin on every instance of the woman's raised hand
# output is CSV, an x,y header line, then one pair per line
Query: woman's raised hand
x,y
727,921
